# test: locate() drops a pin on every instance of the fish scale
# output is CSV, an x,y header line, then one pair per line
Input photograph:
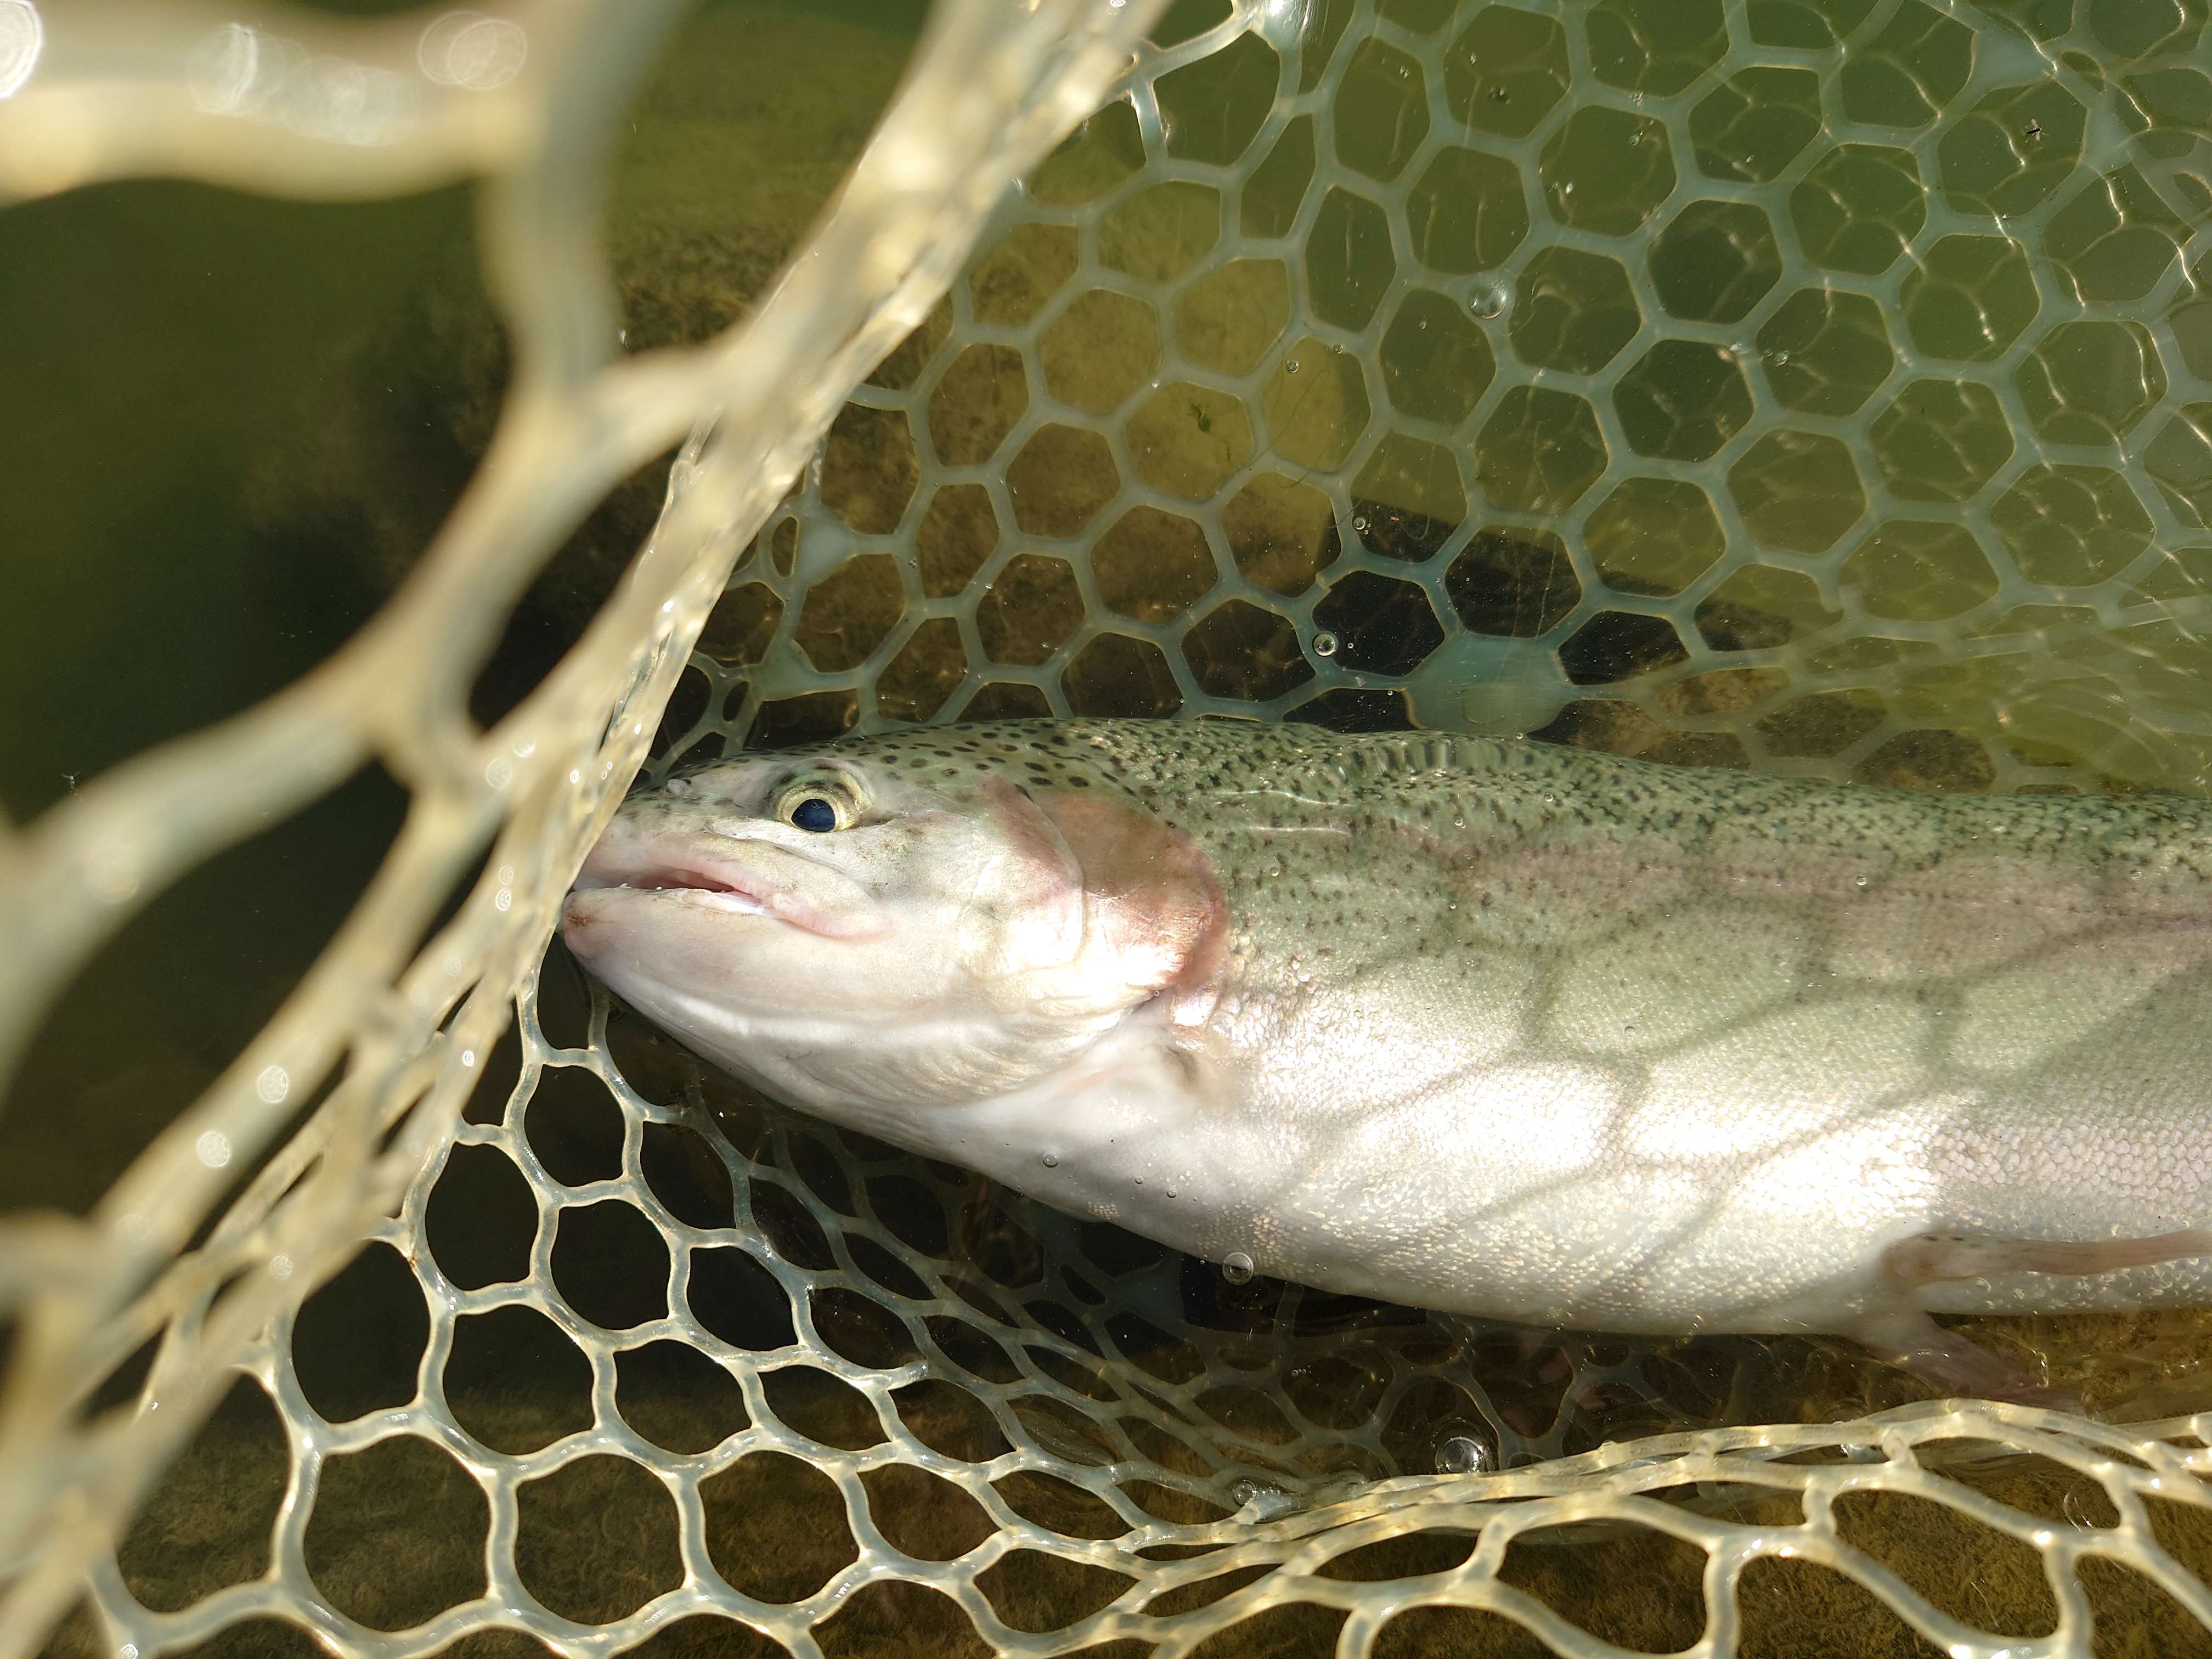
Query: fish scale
x,y
1491,1026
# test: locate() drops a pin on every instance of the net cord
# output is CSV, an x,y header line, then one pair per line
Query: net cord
x,y
118,93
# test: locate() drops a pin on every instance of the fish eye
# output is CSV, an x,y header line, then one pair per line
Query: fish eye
x,y
820,803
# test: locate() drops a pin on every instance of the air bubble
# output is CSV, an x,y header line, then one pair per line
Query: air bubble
x,y
1325,644
1236,1268
1488,299
21,36
1462,1455
1051,1160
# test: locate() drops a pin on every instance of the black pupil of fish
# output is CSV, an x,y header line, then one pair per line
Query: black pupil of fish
x,y
814,814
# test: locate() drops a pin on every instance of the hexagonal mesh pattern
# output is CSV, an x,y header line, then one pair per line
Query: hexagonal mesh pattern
x,y
1820,384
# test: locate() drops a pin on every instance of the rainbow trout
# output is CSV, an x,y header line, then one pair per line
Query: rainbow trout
x,y
1485,1026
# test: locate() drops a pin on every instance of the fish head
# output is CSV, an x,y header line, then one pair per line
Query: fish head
x,y
873,926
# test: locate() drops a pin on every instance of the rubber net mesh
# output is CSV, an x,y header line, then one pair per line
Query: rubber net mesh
x,y
1817,384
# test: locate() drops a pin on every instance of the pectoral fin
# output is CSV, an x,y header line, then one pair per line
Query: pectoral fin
x,y
1949,1362
1946,1360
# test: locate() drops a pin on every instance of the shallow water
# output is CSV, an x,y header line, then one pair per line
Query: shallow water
x,y
235,422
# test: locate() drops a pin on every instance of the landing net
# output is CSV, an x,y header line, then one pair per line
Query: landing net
x,y
1824,386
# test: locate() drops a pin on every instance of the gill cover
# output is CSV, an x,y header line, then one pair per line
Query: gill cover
x,y
1138,894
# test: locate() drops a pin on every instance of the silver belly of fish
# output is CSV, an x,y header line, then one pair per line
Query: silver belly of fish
x,y
1485,1026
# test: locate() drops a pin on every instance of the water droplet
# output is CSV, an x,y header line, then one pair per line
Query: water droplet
x,y
1858,881
1325,644
1052,1160
1462,1455
1292,366
1248,1491
1236,1268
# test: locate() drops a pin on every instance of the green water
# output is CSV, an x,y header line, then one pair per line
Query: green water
x,y
172,341
230,424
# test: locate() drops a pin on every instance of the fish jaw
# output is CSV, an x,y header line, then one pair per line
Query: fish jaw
x,y
720,939
732,875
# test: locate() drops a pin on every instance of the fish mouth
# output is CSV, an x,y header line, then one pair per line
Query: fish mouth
x,y
746,879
